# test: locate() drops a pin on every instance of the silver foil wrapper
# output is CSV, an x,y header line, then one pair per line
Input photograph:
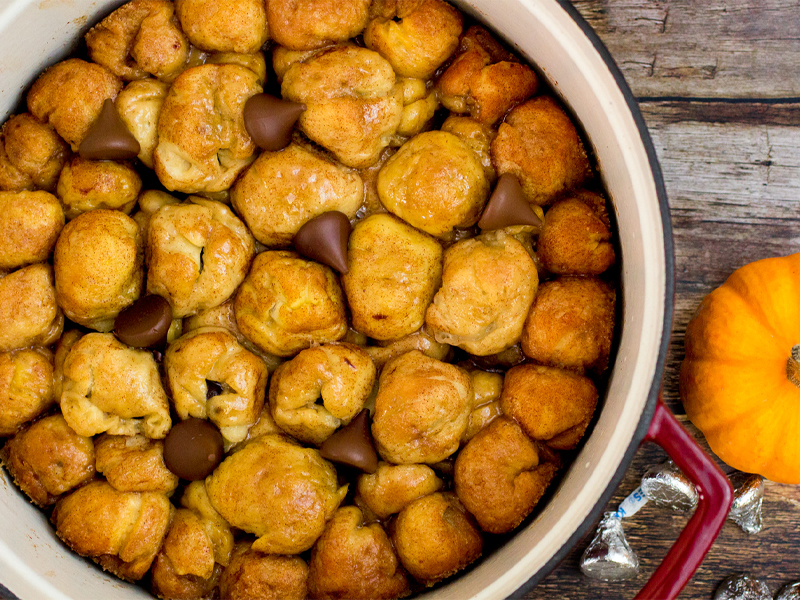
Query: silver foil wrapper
x,y
742,587
748,493
791,591
608,556
667,486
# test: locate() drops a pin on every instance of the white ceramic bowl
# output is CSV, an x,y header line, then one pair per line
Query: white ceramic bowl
x,y
36,33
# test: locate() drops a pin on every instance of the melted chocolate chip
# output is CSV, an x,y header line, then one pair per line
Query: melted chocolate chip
x,y
108,138
192,449
145,323
213,388
508,206
352,445
270,120
324,239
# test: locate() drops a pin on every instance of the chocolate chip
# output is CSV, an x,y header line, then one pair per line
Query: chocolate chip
x,y
508,206
108,138
270,120
193,449
213,388
145,323
324,239
352,445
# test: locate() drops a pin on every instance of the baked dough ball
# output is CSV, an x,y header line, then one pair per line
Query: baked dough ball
x,y
499,478
283,190
415,37
140,38
212,355
485,80
31,154
487,388
26,387
98,264
224,25
134,464
139,106
198,254
121,531
421,410
287,303
29,226
63,347
70,95
196,499
29,314
85,185
109,387
149,202
435,183
283,58
391,488
435,537
420,340
202,141
353,107
419,105
29,458
488,285
252,574
394,271
551,405
309,24
341,376
475,135
279,491
574,239
355,560
571,324
538,143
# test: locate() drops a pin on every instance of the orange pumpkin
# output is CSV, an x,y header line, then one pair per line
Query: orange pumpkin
x,y
740,380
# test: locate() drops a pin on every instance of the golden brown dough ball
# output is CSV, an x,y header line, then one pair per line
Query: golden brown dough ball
x,y
121,531
487,387
415,37
98,264
31,154
149,202
571,324
213,377
29,458
475,135
574,239
435,537
353,105
29,226
279,491
499,477
419,106
485,80
202,141
134,464
139,106
283,58
69,96
140,38
538,143
110,387
394,271
29,314
287,303
63,346
198,254
421,340
255,61
391,488
435,183
551,405
354,560
421,410
309,24
253,575
224,25
488,285
26,387
85,185
283,190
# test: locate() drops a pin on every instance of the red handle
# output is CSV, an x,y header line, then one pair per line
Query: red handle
x,y
714,501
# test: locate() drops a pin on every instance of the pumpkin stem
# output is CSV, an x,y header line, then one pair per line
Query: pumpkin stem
x,y
793,366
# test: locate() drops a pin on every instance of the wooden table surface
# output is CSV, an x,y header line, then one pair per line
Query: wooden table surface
x,y
718,82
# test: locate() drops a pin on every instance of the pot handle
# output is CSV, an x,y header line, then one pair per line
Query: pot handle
x,y
714,501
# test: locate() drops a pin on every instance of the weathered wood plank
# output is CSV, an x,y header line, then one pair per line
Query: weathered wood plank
x,y
713,48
